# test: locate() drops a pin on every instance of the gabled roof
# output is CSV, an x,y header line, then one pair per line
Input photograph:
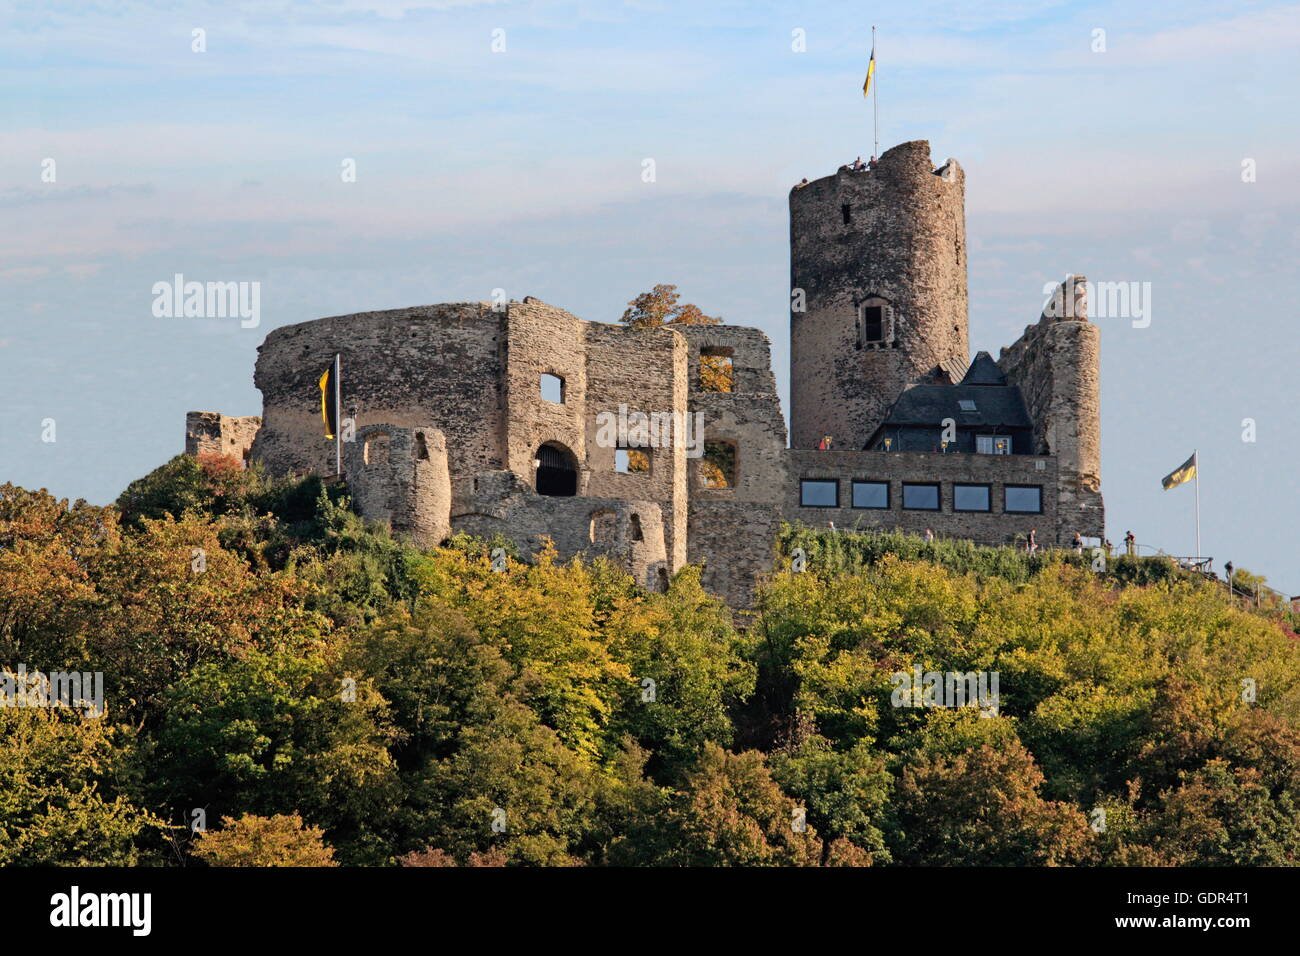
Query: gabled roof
x,y
984,371
929,405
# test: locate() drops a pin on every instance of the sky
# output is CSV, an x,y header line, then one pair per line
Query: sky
x,y
501,145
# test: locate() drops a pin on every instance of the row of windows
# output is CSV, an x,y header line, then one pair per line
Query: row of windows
x,y
921,496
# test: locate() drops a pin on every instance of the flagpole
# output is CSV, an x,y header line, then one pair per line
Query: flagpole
x,y
875,150
1196,459
338,416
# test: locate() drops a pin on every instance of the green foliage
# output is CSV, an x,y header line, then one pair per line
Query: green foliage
x,y
333,693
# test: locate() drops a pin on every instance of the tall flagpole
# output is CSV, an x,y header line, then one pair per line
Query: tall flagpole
x,y
338,416
1196,460
875,152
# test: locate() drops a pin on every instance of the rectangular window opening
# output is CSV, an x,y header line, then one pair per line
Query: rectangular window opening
x,y
718,465
632,461
552,388
1023,499
871,494
972,498
919,496
717,373
819,493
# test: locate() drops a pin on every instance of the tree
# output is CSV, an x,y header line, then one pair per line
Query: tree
x,y
982,808
660,307
731,813
61,800
281,840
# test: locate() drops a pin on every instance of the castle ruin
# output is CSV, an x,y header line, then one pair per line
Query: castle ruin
x,y
470,417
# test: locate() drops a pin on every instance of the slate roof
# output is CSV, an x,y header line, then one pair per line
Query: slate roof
x,y
929,405
984,371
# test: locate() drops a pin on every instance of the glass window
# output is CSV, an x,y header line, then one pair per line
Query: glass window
x,y
871,494
966,404
970,498
918,497
815,493
1023,499
993,444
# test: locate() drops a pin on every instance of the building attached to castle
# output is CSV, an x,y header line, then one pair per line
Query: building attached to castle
x,y
523,420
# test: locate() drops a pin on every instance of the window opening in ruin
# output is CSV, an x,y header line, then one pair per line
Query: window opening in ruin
x,y
421,449
603,526
632,461
375,451
637,534
552,388
663,581
718,465
557,471
716,371
846,211
873,323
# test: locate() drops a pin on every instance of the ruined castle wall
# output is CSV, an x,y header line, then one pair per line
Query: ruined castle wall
x,y
439,366
631,534
731,529
399,477
542,339
211,433
897,232
1057,364
646,369
994,527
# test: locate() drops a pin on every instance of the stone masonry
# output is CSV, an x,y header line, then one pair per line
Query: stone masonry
x,y
470,417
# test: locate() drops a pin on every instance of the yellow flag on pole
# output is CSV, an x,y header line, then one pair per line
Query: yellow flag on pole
x,y
1180,475
871,69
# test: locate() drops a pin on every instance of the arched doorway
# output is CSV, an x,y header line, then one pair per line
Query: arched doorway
x,y
557,471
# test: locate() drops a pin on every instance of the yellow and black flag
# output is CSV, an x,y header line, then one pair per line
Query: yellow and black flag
x,y
1180,475
329,398
871,70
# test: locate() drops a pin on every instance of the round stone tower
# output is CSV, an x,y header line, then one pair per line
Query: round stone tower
x,y
878,267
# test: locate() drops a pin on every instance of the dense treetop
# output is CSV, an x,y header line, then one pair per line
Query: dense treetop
x,y
322,694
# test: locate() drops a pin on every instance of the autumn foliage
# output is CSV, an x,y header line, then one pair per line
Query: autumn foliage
x,y
328,695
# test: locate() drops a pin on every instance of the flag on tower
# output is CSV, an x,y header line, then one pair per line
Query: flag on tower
x,y
871,69
1183,473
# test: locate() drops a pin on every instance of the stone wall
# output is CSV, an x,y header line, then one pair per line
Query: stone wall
x,y
399,477
211,433
629,533
732,529
1057,364
904,241
439,366
994,527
